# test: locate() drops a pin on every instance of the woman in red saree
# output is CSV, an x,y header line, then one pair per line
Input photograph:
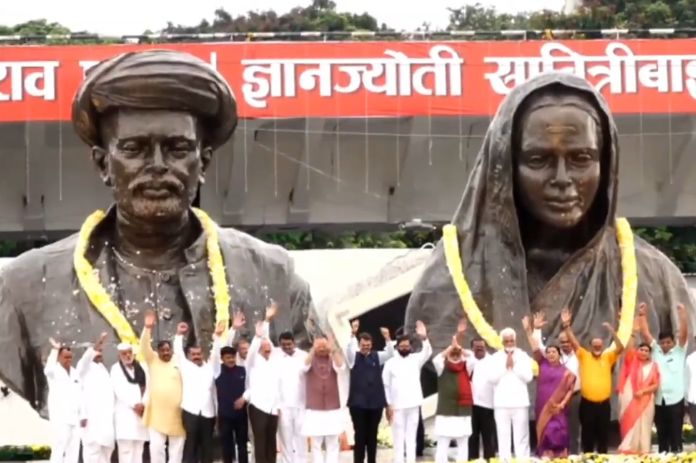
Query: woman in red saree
x,y
638,381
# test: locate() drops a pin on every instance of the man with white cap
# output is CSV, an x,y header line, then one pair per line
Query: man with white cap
x,y
129,380
97,406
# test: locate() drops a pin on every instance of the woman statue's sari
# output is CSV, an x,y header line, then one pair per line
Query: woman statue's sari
x,y
636,413
554,386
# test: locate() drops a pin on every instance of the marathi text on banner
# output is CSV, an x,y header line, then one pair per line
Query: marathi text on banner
x,y
619,70
393,75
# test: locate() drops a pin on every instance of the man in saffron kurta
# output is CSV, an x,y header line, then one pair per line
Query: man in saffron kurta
x,y
163,409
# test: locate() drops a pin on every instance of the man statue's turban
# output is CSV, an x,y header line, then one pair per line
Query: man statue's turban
x,y
156,79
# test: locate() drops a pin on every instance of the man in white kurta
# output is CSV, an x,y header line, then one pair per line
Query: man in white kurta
x,y
402,388
64,404
291,362
325,370
510,372
129,380
98,407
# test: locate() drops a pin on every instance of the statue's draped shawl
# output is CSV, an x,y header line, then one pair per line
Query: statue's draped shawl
x,y
493,255
156,79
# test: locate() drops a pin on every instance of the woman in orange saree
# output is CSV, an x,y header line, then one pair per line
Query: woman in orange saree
x,y
638,381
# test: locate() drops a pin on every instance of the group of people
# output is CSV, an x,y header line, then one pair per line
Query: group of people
x,y
259,392
574,388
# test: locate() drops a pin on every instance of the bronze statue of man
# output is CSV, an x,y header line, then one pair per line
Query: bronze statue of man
x,y
152,120
536,227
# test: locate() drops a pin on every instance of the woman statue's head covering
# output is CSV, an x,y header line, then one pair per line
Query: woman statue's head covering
x,y
156,79
492,251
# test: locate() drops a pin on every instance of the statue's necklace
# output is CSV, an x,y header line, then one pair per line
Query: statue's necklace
x,y
624,236
88,277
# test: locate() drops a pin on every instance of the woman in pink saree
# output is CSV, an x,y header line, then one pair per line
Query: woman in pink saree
x,y
555,385
638,381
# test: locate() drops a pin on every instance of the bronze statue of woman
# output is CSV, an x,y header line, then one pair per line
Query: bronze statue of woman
x,y
536,227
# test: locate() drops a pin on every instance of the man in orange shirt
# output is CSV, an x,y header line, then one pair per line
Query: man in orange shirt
x,y
595,386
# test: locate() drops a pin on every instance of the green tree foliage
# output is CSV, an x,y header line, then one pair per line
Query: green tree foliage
x,y
318,239
321,15
591,15
37,27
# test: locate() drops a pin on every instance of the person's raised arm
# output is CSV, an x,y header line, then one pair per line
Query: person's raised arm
x,y
271,312
427,351
179,351
532,339
52,360
238,322
566,322
683,335
255,346
439,359
619,345
87,358
308,360
388,351
643,325
214,360
352,345
336,357
146,337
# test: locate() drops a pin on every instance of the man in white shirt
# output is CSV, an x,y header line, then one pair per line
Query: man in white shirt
x,y
199,394
291,362
510,372
64,403
263,396
98,406
402,389
570,360
129,381
482,419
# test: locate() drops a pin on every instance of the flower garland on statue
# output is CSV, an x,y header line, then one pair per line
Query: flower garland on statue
x,y
89,281
624,236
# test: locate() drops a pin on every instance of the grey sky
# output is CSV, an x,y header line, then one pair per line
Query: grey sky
x,y
134,16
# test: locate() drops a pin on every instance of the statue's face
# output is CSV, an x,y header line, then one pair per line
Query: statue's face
x,y
153,160
558,163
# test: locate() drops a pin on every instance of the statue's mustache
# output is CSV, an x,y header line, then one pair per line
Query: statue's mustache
x,y
149,183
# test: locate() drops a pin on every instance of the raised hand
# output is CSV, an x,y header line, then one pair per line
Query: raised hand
x,y
526,325
461,326
642,309
54,344
331,342
220,327
100,342
421,330
150,319
539,320
259,329
355,326
385,333
239,320
609,327
271,311
681,309
566,316
455,343
182,328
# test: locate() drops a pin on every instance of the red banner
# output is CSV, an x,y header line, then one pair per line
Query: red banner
x,y
347,79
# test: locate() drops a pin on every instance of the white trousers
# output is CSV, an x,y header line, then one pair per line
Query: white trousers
x,y
404,430
95,453
130,451
442,449
65,445
332,449
293,443
512,423
157,448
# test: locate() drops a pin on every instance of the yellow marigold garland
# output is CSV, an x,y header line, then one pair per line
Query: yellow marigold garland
x,y
624,236
100,299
